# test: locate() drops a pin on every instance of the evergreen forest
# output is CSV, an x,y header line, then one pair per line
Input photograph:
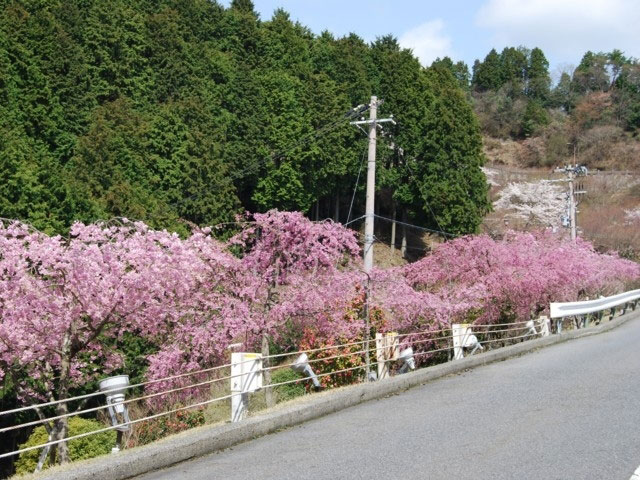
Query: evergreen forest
x,y
182,112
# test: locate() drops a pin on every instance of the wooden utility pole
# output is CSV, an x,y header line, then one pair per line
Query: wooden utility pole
x,y
572,208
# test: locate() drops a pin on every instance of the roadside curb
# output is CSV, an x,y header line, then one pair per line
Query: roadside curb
x,y
209,439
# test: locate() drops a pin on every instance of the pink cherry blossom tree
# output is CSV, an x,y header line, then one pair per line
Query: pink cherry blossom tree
x,y
521,274
62,298
296,264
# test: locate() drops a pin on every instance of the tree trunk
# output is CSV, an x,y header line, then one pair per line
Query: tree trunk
x,y
393,230
268,391
61,426
61,432
336,213
403,249
317,210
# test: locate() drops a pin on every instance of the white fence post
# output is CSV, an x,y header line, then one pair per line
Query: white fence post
x,y
457,332
246,377
463,338
545,325
386,351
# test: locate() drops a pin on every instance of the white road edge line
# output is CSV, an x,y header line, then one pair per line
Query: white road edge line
x,y
636,474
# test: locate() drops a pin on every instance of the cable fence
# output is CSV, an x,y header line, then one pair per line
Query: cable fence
x,y
425,343
393,353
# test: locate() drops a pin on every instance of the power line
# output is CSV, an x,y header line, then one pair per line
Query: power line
x,y
385,240
424,229
355,188
408,164
355,220
306,138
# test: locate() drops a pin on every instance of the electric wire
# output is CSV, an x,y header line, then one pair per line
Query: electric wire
x,y
355,188
408,164
355,220
417,227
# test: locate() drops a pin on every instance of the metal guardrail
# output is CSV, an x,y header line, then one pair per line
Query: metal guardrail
x,y
569,309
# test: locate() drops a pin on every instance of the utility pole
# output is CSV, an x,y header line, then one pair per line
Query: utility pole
x,y
575,192
572,208
370,214
573,171
371,187
371,178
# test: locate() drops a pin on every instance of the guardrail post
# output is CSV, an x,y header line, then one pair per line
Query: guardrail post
x,y
463,337
545,325
246,377
386,351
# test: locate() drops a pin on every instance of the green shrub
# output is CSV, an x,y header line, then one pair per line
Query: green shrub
x,y
290,390
152,430
79,449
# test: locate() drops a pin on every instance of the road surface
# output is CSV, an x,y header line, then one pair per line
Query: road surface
x,y
570,411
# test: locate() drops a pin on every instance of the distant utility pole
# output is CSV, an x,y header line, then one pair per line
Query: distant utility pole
x,y
573,170
574,192
572,208
371,179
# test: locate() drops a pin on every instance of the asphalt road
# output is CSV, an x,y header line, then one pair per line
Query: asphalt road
x,y
569,411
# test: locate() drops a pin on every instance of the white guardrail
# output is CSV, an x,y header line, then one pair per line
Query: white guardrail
x,y
570,309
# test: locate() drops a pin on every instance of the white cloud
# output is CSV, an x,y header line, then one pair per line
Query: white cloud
x,y
564,29
428,41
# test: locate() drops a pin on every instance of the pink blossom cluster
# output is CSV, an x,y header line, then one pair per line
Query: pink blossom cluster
x,y
519,275
278,244
64,300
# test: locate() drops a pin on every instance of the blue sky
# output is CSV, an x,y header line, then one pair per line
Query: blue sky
x,y
466,30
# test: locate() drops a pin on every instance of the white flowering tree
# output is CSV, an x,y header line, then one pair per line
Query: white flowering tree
x,y
537,203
